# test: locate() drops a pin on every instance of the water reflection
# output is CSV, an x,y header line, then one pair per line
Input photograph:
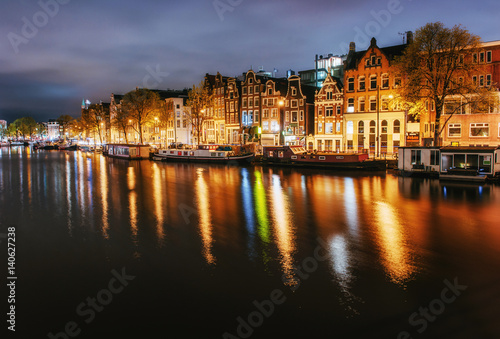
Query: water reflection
x,y
158,195
261,208
248,210
392,242
282,217
205,217
132,201
104,196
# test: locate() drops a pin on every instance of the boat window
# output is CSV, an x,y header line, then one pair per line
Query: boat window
x,y
221,154
185,153
271,153
191,153
322,158
294,157
280,154
213,154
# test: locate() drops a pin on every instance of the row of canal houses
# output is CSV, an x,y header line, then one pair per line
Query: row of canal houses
x,y
351,109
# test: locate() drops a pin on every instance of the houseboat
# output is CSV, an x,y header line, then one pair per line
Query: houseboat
x,y
127,151
470,163
419,161
457,163
299,156
207,154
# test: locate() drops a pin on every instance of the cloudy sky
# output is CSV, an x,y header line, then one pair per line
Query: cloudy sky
x,y
54,53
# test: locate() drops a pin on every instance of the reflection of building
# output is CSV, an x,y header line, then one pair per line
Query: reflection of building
x,y
328,118
378,125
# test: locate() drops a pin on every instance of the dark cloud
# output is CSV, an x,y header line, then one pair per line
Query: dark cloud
x,y
89,49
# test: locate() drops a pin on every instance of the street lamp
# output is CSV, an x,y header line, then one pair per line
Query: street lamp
x,y
281,103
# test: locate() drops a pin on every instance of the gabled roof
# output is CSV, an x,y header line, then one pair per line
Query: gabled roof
x,y
354,58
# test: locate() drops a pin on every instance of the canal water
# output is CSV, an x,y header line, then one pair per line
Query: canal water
x,y
107,248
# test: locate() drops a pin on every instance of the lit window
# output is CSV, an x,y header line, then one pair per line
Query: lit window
x,y
479,130
350,105
350,127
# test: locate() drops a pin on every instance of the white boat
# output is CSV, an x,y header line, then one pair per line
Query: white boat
x,y
206,154
4,144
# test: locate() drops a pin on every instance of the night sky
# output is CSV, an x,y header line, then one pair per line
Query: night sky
x,y
90,49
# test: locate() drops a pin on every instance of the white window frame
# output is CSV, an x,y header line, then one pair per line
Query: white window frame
x,y
479,125
457,125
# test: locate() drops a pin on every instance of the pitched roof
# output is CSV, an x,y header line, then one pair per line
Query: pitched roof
x,y
353,58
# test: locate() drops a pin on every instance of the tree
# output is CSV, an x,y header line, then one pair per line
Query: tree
x,y
196,112
64,121
94,119
25,126
121,122
141,106
438,64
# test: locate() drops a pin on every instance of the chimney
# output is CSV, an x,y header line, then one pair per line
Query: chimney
x,y
352,47
409,37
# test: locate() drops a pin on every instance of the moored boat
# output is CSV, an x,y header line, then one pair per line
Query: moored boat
x,y
126,151
299,156
67,147
206,154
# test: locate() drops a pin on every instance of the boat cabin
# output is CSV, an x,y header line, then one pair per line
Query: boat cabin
x,y
127,151
470,161
419,161
450,162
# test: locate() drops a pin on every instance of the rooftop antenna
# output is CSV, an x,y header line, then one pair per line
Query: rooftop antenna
x,y
403,35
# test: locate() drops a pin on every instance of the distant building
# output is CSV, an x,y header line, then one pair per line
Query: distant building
x,y
178,128
53,130
323,65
